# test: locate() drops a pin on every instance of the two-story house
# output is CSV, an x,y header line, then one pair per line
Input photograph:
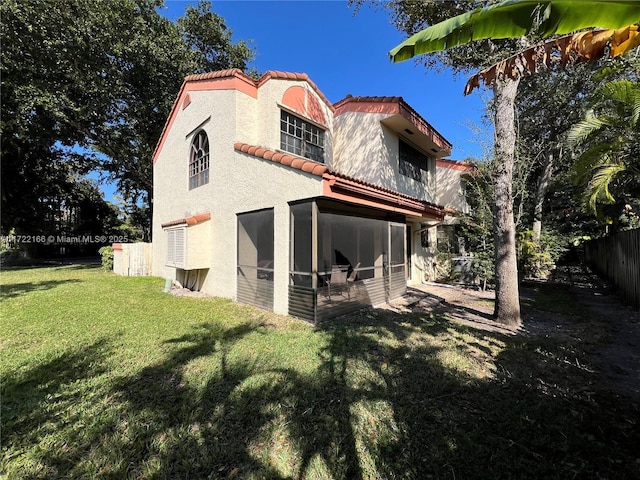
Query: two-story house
x,y
266,193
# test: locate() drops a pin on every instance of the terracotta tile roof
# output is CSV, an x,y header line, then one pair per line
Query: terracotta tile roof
x,y
455,164
384,99
377,187
236,72
321,170
231,72
403,105
293,161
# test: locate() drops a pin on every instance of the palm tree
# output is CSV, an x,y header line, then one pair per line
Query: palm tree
x,y
515,19
609,139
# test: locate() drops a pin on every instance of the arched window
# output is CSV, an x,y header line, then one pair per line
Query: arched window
x,y
199,160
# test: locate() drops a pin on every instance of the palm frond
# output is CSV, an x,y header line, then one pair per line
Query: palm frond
x,y
589,161
598,188
585,128
626,94
516,18
618,90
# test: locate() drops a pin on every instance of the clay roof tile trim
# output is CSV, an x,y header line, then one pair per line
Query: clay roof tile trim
x,y
231,72
189,221
299,163
286,160
292,161
308,167
318,170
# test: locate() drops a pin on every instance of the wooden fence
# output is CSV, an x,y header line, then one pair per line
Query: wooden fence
x,y
132,259
617,258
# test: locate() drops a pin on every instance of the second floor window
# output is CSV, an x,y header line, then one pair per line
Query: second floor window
x,y
301,138
413,163
199,161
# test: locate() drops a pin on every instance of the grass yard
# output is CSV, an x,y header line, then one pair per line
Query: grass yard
x,y
108,377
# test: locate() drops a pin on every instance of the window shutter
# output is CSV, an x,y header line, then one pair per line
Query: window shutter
x,y
180,252
171,248
176,247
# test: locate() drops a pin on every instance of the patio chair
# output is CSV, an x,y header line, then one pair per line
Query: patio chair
x,y
337,281
352,278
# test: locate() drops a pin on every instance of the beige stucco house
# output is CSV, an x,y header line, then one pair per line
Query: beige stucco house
x,y
266,193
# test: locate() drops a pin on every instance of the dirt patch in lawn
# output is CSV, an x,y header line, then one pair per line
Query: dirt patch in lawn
x,y
574,305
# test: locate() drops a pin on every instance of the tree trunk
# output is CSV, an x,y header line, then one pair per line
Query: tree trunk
x,y
545,180
507,306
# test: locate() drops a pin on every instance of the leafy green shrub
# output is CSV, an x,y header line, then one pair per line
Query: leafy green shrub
x,y
538,259
106,253
556,244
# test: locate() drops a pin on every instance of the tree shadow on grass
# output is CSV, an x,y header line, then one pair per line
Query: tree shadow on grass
x,y
14,290
391,397
538,416
55,265
41,401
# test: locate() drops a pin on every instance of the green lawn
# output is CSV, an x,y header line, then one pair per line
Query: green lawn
x,y
108,377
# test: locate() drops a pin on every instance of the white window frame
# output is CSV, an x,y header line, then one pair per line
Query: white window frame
x,y
199,154
301,137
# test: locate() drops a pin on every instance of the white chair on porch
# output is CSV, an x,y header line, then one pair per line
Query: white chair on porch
x,y
337,281
352,278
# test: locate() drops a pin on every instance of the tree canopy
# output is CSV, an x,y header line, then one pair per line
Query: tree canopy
x,y
95,81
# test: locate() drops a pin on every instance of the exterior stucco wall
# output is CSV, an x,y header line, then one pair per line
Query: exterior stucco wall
x,y
450,189
198,237
172,198
361,149
368,150
237,183
422,258
258,184
247,120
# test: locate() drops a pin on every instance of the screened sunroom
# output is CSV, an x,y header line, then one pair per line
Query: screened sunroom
x,y
354,246
344,257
